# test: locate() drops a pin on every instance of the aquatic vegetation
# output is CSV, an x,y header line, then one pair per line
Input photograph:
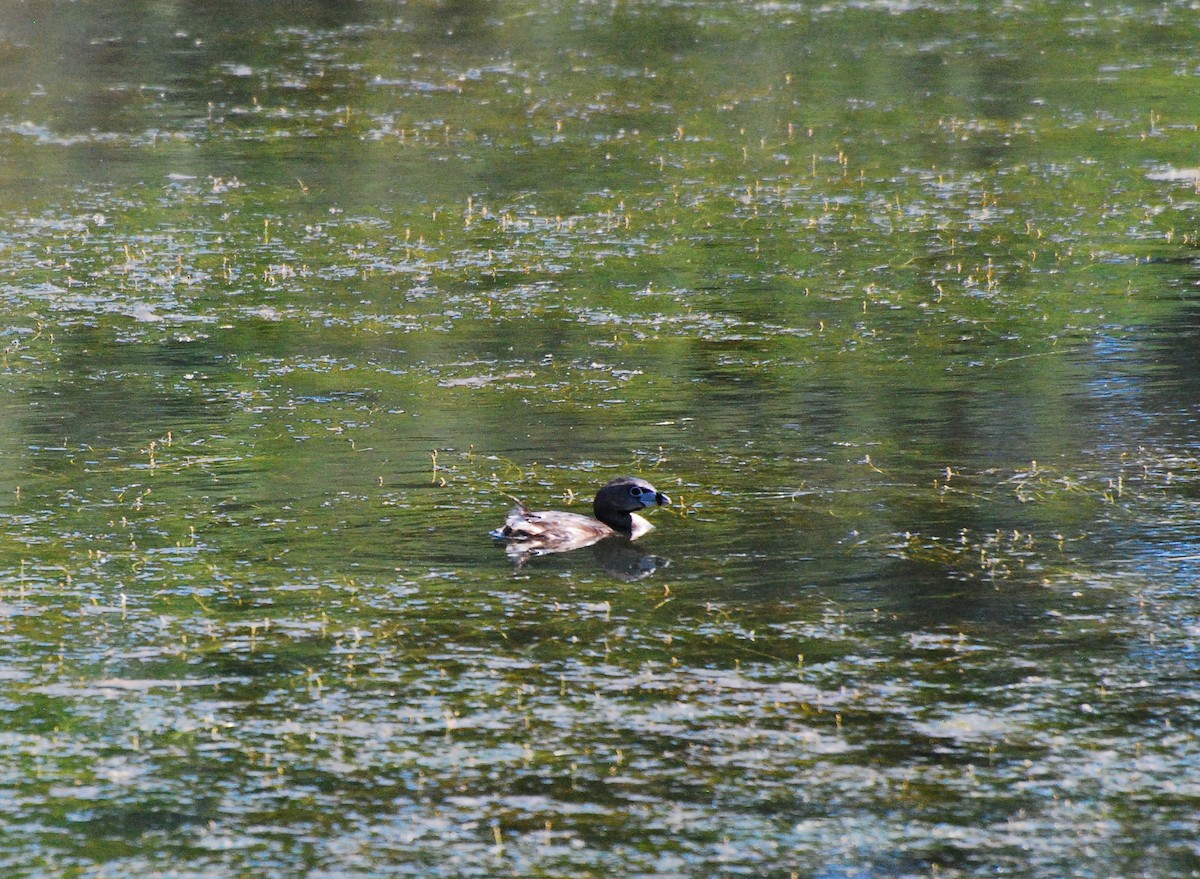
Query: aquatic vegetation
x,y
893,300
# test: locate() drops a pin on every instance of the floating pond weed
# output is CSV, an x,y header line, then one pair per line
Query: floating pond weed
x,y
903,327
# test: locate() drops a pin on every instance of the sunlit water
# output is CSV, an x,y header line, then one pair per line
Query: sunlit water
x,y
896,301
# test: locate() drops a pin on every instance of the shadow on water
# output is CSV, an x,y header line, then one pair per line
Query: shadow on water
x,y
616,556
464,24
1168,347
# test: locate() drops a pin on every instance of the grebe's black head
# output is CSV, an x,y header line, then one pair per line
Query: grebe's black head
x,y
624,495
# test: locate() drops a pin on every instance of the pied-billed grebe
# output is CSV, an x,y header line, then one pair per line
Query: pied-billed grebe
x,y
553,531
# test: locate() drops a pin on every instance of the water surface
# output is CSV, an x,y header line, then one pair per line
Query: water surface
x,y
896,301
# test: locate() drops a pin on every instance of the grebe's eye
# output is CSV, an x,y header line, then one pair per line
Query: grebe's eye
x,y
635,491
